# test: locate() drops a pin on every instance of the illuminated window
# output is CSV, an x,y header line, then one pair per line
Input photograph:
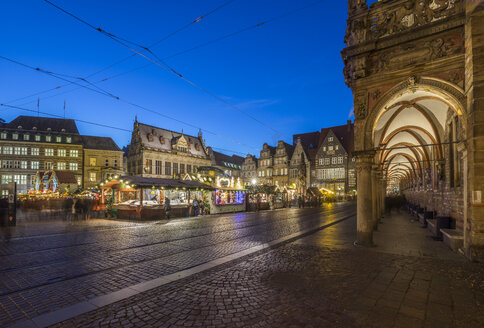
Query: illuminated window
x,y
73,166
58,139
34,151
61,166
74,153
92,161
49,152
92,176
61,152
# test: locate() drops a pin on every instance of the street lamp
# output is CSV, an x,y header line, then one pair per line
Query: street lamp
x,y
254,181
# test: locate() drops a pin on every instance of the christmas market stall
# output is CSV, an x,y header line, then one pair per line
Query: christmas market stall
x,y
229,195
261,197
133,197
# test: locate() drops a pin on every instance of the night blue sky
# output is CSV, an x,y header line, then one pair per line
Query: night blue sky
x,y
287,73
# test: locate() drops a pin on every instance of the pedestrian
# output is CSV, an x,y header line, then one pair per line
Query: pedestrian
x,y
196,207
202,207
299,201
167,207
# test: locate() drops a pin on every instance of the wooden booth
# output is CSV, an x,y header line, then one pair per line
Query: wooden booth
x,y
133,197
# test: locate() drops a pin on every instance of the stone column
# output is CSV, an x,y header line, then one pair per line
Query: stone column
x,y
364,211
375,192
474,89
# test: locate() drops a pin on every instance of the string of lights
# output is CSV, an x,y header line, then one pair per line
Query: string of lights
x,y
164,66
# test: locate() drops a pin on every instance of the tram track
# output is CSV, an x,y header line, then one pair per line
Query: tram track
x,y
55,280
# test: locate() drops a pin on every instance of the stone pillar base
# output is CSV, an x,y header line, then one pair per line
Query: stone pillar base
x,y
364,239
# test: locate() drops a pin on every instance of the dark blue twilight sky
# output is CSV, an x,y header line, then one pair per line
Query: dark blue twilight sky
x,y
287,73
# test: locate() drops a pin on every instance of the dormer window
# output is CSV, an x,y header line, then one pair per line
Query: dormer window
x,y
63,130
162,140
150,137
37,137
58,139
34,128
197,146
26,137
19,127
3,135
48,138
15,136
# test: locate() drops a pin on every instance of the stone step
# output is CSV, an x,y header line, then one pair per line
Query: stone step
x,y
452,238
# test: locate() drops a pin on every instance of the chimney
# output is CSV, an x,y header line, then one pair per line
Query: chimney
x,y
349,125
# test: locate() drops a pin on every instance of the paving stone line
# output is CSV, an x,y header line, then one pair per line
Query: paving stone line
x,y
63,314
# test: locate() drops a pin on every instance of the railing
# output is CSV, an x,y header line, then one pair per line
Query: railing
x,y
388,17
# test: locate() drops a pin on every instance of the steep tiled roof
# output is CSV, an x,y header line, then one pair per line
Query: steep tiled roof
x,y
220,158
309,140
344,133
43,124
161,139
101,143
289,149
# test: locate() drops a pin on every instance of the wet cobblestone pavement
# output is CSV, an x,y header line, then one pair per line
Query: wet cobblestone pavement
x,y
45,267
317,281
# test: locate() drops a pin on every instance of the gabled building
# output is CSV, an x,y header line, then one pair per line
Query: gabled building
x,y
161,153
265,167
300,168
281,164
335,164
249,170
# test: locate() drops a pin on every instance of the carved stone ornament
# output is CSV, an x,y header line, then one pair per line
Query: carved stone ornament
x,y
361,108
386,18
355,6
414,53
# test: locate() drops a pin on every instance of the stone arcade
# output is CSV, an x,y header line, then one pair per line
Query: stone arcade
x,y
416,70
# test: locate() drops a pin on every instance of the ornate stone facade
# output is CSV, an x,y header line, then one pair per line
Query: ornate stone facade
x,y
411,67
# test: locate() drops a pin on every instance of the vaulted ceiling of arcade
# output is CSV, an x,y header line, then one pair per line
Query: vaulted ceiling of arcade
x,y
409,132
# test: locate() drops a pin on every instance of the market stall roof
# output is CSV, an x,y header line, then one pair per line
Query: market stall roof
x,y
143,182
314,191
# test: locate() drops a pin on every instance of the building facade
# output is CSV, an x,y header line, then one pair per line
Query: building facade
x,y
30,145
265,165
249,170
281,160
300,168
335,164
102,159
36,144
160,153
